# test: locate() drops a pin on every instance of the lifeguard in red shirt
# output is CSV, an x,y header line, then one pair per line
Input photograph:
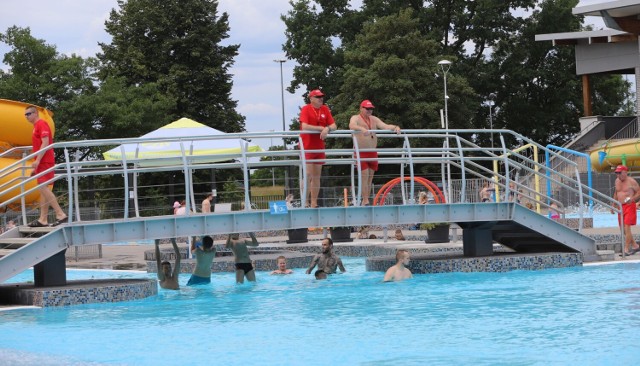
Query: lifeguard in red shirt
x,y
41,138
315,116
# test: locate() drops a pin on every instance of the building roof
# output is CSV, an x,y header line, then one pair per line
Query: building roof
x,y
615,9
596,36
620,14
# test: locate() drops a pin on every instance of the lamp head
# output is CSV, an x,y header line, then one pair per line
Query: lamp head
x,y
444,65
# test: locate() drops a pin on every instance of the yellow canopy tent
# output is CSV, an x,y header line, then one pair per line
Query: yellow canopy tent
x,y
180,131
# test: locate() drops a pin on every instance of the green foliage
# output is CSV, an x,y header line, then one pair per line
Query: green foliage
x,y
175,45
388,51
232,192
539,95
432,225
40,75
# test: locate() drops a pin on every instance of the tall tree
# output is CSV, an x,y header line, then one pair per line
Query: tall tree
x,y
393,65
38,74
176,44
539,94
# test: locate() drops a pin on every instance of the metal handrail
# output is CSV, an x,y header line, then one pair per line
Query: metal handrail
x,y
463,155
629,131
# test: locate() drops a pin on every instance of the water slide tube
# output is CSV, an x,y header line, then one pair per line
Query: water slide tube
x,y
612,154
16,131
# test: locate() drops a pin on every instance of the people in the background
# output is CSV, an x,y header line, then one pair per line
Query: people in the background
x,y
206,203
244,266
168,278
282,266
327,260
204,258
399,271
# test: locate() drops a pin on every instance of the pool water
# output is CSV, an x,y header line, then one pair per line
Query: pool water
x,y
600,219
583,315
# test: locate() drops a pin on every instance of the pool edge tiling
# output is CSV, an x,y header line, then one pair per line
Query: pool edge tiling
x,y
501,263
79,292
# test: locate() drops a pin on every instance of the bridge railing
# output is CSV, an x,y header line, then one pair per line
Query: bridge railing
x,y
451,153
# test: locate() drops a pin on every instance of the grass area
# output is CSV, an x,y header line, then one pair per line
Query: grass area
x,y
267,191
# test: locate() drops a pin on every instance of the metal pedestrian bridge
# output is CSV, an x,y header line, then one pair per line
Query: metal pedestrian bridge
x,y
460,164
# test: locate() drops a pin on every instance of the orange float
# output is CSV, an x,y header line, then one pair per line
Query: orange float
x,y
429,185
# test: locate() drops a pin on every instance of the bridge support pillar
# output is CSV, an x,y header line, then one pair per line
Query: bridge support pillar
x,y
51,271
477,241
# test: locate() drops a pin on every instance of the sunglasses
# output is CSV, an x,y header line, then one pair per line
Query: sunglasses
x,y
318,96
369,109
29,113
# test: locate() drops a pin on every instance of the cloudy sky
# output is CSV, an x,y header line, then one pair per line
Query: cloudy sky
x,y
76,26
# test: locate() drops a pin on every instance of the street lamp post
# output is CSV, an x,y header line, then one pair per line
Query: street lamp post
x,y
492,97
445,65
284,128
282,96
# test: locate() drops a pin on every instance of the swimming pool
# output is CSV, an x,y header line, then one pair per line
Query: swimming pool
x,y
563,316
600,219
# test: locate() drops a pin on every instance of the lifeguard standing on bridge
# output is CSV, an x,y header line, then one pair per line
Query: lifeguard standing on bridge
x,y
365,123
315,116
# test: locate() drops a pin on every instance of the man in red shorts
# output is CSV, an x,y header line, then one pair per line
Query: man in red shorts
x,y
627,193
315,116
366,123
41,138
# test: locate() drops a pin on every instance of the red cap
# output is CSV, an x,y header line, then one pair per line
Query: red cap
x,y
621,168
316,93
366,104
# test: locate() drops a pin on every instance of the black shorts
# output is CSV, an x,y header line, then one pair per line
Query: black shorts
x,y
246,267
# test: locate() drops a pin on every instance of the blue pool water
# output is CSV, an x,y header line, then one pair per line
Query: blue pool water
x,y
585,315
600,219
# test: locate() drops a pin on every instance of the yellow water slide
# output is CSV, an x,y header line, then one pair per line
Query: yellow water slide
x,y
15,131
611,154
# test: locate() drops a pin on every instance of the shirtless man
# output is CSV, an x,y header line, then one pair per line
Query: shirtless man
x,y
327,260
399,271
168,279
204,258
627,193
282,266
365,123
206,203
238,246
485,193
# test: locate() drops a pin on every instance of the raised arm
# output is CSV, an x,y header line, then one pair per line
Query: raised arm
x,y
253,242
176,250
229,243
158,261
